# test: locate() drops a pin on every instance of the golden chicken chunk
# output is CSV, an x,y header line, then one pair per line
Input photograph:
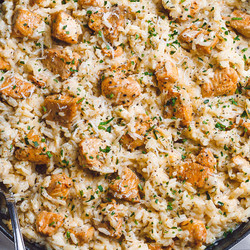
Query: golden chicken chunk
x,y
112,221
59,186
107,22
90,152
204,43
154,247
39,81
47,223
206,158
4,65
60,62
35,150
17,88
193,173
246,126
166,73
241,22
121,89
224,83
178,106
38,2
65,27
83,235
197,231
94,3
61,109
25,23
142,126
125,186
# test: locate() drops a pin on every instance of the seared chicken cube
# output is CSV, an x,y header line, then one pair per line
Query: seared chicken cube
x,y
241,22
16,88
35,150
193,173
197,231
83,235
107,22
4,65
60,62
90,153
246,126
154,247
224,83
25,23
141,127
61,109
178,106
59,186
65,27
120,89
166,73
38,2
204,43
40,80
112,221
126,186
206,158
94,3
47,223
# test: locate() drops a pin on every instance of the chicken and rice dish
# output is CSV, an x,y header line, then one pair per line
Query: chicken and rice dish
x,y
125,124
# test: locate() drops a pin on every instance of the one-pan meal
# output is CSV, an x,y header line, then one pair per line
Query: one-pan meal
x,y
125,124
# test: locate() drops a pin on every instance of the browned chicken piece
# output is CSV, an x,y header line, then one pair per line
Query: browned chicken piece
x,y
61,109
120,89
59,186
197,231
190,34
83,235
65,27
35,150
116,52
39,81
142,126
178,106
154,247
241,22
90,154
16,88
206,158
94,3
60,62
38,2
224,83
193,173
112,221
115,18
166,74
246,126
25,23
4,65
47,223
126,186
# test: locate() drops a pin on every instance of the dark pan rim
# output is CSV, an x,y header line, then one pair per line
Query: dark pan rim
x,y
225,243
